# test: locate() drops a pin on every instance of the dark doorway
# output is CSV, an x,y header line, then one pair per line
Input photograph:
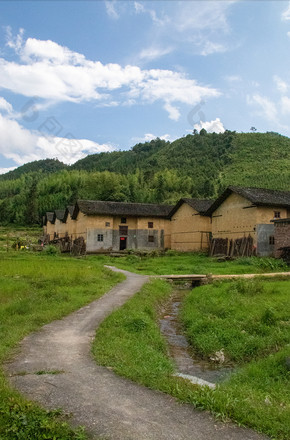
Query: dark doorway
x,y
123,243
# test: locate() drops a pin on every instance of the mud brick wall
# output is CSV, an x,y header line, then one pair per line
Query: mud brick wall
x,y
282,237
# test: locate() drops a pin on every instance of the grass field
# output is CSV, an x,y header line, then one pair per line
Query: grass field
x,y
35,289
249,320
178,263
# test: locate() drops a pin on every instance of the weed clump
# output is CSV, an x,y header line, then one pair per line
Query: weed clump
x,y
249,287
51,250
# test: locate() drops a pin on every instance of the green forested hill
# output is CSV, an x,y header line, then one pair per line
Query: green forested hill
x,y
46,166
199,165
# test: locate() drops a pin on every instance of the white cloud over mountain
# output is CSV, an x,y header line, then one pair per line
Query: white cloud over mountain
x,y
23,145
215,126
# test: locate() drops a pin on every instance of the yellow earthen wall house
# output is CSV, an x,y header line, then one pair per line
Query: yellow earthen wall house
x,y
241,212
237,217
50,230
190,229
118,226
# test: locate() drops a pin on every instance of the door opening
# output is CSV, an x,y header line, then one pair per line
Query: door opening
x,y
123,243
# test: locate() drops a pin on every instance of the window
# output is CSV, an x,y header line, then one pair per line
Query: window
x,y
100,237
151,238
108,224
123,230
277,214
123,220
150,225
271,239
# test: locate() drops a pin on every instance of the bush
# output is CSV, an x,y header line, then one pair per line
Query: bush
x,y
51,250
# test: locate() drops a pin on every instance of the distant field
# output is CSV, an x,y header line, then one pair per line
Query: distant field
x,y
35,289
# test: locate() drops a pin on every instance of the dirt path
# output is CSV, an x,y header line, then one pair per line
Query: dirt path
x,y
107,405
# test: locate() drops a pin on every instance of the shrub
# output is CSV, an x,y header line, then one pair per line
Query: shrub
x,y
51,250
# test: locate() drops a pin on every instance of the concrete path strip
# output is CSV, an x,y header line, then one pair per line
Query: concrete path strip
x,y
107,405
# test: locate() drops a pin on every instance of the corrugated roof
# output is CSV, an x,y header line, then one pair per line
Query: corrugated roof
x,y
257,196
200,205
95,207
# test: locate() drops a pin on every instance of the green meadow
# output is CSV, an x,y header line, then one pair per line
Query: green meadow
x,y
37,288
247,319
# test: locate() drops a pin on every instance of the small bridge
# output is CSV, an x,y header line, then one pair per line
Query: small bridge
x,y
199,279
195,279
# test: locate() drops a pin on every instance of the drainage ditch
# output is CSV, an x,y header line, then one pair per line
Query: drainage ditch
x,y
186,360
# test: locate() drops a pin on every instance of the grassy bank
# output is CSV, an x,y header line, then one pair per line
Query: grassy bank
x,y
180,263
257,395
247,319
34,290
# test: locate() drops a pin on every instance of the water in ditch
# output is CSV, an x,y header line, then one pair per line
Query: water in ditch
x,y
187,362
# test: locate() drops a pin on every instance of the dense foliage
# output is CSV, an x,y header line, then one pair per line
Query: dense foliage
x,y
198,165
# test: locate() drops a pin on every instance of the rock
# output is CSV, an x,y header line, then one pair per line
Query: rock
x,y
218,357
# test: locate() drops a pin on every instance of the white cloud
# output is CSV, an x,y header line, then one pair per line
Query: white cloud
x,y
286,13
281,85
5,106
210,48
6,170
267,108
111,10
173,112
285,105
200,26
152,53
57,74
22,145
14,42
215,126
149,137
233,78
140,9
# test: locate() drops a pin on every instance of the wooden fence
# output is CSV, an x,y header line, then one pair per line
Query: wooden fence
x,y
240,247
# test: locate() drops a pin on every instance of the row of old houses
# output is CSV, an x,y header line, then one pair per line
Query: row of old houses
x,y
245,220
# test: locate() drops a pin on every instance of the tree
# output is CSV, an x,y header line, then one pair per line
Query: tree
x,y
31,215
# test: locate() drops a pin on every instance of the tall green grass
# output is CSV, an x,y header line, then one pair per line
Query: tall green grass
x,y
34,290
247,319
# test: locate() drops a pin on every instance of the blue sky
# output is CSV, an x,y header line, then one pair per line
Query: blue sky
x,y
80,77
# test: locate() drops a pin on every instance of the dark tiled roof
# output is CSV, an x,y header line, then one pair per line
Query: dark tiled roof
x,y
59,214
257,196
68,212
95,207
71,209
200,205
49,217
